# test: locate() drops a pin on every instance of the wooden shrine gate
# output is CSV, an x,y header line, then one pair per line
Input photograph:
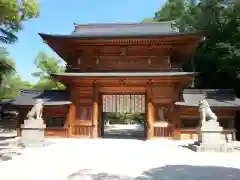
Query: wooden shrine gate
x,y
123,104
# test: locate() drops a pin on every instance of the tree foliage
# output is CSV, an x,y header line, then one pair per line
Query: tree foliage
x,y
12,14
218,57
11,82
7,67
14,86
47,65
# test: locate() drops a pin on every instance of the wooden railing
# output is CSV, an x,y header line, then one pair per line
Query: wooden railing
x,y
81,130
163,131
56,132
192,133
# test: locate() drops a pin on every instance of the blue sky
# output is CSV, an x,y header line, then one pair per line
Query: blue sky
x,y
58,16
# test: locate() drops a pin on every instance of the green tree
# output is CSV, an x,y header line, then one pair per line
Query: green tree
x,y
47,65
6,67
12,14
148,20
11,82
217,58
14,85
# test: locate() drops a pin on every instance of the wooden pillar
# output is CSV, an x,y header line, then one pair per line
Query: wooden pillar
x,y
95,116
71,118
150,115
176,124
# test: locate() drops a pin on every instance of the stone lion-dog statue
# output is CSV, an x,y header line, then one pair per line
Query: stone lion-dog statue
x,y
206,112
36,111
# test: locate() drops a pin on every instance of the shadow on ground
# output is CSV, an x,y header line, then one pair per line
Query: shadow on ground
x,y
8,148
236,147
169,172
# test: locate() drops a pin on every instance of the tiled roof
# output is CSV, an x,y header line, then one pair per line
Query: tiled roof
x,y
190,97
215,97
51,97
124,30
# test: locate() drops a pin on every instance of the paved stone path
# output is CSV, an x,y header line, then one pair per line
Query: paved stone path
x,y
115,159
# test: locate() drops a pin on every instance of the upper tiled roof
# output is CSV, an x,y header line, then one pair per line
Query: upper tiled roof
x,y
123,29
51,97
215,97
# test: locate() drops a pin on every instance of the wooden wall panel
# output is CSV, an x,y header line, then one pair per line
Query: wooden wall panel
x,y
81,131
82,98
121,63
191,134
164,63
56,132
163,131
81,95
121,58
123,90
193,113
163,94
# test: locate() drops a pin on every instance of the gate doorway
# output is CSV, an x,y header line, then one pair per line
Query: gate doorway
x,y
123,116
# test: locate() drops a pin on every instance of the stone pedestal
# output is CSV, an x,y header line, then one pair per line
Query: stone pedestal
x,y
33,132
210,138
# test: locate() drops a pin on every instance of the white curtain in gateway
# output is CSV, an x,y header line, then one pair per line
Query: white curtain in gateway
x,y
128,103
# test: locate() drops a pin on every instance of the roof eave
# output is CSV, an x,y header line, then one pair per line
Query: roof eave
x,y
118,36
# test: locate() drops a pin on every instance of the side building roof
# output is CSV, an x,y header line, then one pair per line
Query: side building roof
x,y
27,97
215,97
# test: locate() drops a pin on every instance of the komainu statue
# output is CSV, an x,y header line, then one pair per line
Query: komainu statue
x,y
205,112
160,112
36,111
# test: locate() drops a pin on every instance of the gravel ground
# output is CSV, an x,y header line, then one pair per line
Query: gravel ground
x,y
116,159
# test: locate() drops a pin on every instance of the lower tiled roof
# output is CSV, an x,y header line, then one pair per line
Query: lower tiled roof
x,y
190,97
51,97
215,97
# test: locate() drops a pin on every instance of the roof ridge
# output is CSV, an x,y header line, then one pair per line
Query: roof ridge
x,y
119,24
107,26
